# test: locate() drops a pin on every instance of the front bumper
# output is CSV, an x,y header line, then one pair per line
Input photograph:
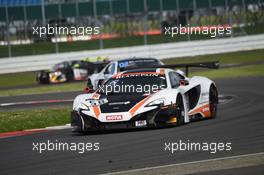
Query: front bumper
x,y
162,116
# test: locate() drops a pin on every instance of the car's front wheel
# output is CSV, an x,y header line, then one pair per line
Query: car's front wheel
x,y
213,101
180,110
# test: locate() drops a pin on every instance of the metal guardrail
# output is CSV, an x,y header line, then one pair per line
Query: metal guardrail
x,y
160,51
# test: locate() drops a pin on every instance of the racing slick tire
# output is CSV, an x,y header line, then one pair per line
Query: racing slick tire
x,y
180,110
213,101
43,77
69,76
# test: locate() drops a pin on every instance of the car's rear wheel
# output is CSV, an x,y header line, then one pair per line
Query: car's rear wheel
x,y
180,110
213,101
43,77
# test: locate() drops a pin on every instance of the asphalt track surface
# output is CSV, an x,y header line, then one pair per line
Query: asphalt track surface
x,y
240,122
38,98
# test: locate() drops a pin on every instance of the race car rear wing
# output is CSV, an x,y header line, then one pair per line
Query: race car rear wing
x,y
209,65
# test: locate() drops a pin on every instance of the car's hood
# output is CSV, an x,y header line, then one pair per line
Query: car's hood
x,y
120,102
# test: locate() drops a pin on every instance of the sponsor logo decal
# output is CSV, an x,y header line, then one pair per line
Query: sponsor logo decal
x,y
141,123
114,117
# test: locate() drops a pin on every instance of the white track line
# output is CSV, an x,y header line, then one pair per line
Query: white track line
x,y
60,127
34,102
150,170
59,101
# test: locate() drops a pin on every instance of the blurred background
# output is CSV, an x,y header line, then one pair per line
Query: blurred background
x,y
122,22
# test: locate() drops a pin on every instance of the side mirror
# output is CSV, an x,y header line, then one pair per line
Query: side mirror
x,y
184,82
88,90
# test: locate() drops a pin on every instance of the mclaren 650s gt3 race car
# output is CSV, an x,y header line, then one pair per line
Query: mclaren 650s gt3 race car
x,y
114,67
150,97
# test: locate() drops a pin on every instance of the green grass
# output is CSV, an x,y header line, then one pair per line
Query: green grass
x,y
17,79
44,89
225,58
245,71
36,118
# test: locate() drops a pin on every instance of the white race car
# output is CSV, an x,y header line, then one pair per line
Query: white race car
x,y
148,97
114,67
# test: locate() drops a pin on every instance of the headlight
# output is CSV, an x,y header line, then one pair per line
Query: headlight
x,y
157,102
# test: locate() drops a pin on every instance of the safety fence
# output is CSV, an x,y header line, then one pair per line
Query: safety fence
x,y
160,51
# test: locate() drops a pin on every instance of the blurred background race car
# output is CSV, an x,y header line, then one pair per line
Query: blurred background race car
x,y
114,67
71,70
